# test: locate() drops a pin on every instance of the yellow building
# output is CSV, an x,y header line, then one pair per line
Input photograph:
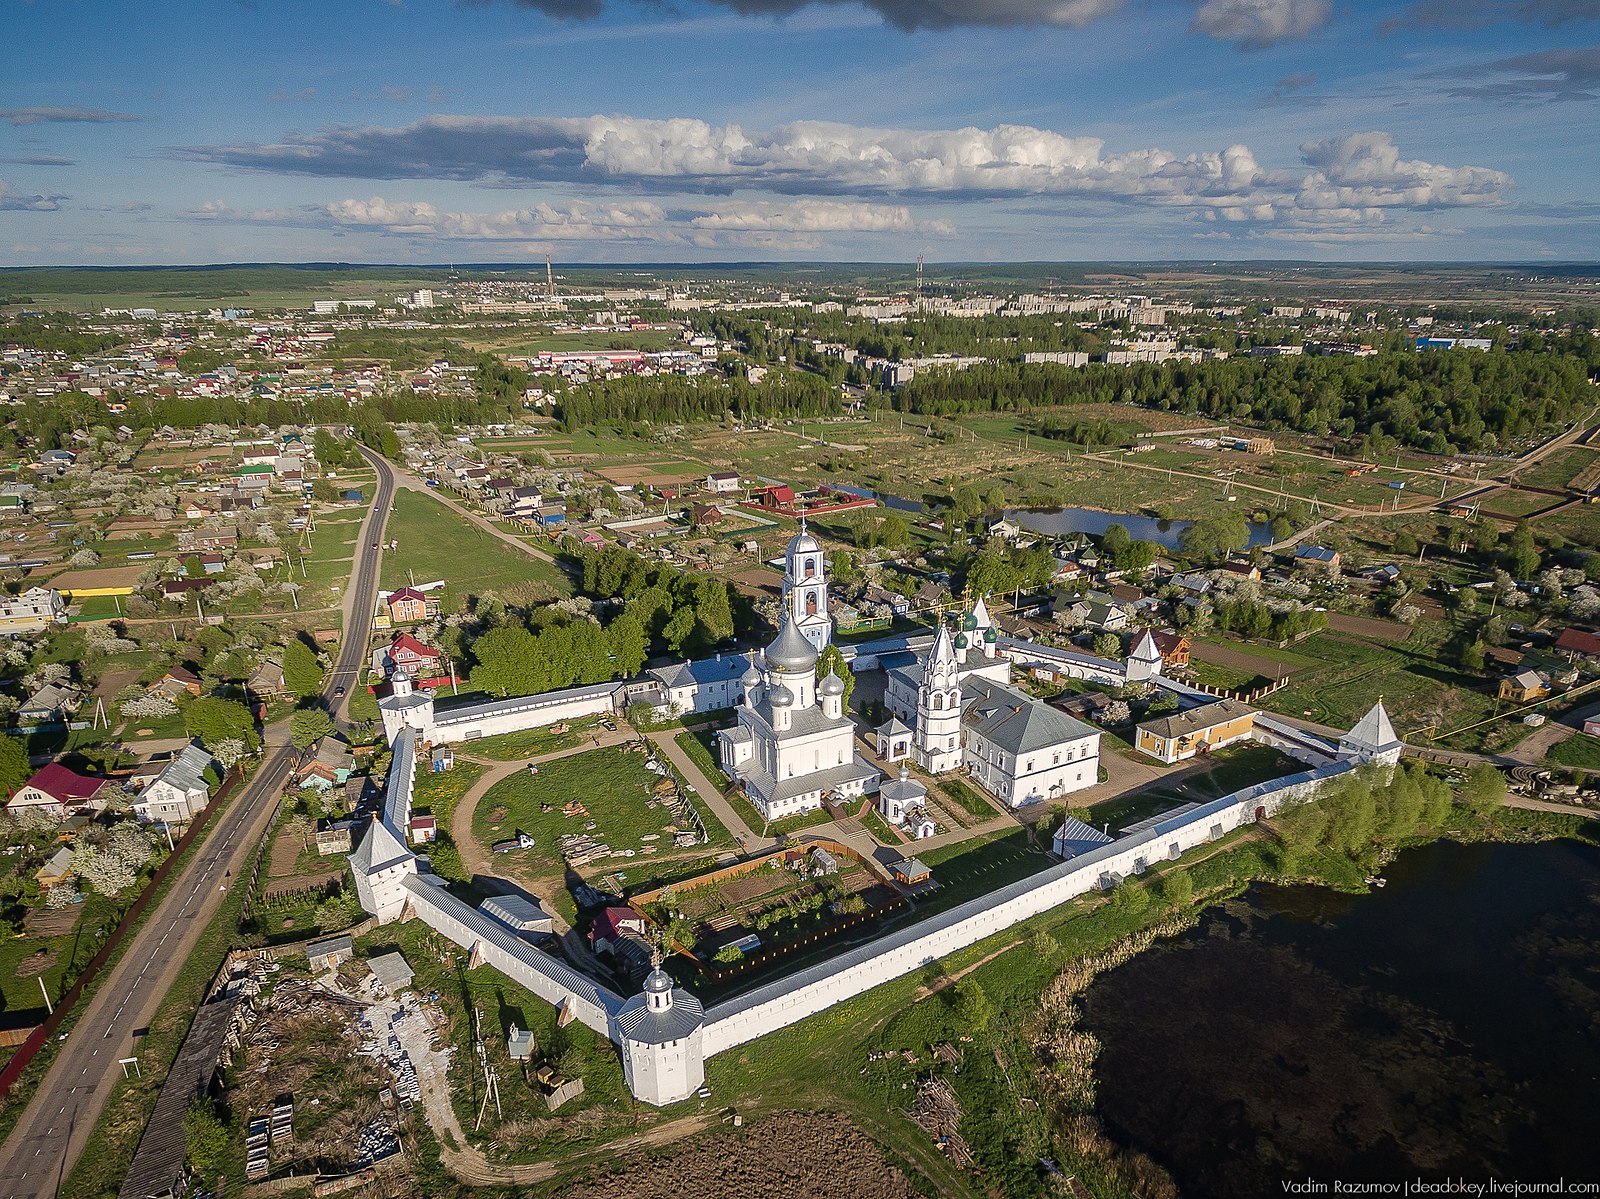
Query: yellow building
x,y
1180,737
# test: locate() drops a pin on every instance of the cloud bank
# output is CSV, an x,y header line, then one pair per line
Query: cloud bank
x,y
1358,173
906,15
11,200
65,115
1257,24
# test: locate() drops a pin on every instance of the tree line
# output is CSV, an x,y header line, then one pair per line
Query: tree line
x,y
1440,401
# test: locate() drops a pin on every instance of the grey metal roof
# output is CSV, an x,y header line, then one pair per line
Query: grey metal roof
x,y
517,911
339,944
706,670
392,970
425,894
1181,724
1077,837
1016,722
638,1023
827,779
521,703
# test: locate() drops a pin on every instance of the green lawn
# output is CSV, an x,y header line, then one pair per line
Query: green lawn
x,y
612,784
530,743
439,793
436,543
697,743
965,798
1579,750
1231,768
1557,469
67,955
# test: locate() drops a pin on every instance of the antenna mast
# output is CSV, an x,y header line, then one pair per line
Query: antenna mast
x,y
919,276
549,279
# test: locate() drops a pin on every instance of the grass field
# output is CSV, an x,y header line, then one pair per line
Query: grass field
x,y
1346,675
530,743
1581,750
699,744
436,543
612,784
1228,770
1558,469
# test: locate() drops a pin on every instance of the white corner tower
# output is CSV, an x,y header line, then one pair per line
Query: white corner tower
x,y
659,1031
405,708
1373,739
1145,661
938,746
805,588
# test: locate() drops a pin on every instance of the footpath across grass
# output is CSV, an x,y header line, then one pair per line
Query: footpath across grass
x,y
436,543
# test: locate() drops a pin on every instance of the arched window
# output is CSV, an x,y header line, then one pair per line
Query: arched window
x,y
810,567
811,603
938,701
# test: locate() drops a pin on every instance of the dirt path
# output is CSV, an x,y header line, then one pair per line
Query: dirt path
x,y
474,1169
475,856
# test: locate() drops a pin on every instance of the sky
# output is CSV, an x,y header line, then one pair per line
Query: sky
x,y
440,131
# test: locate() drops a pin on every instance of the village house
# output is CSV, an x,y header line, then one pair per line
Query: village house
x,y
266,681
178,682
329,766
35,610
1524,687
1181,736
723,482
1175,647
50,703
179,792
407,606
55,871
1578,643
59,792
1318,559
420,661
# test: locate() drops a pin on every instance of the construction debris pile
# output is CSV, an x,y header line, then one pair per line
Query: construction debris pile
x,y
387,1045
936,1111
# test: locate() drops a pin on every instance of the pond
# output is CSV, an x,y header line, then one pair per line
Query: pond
x,y
896,502
1444,1026
1061,522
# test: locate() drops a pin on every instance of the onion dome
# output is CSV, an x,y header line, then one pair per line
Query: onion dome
x,y
970,620
990,635
791,652
782,697
961,641
832,685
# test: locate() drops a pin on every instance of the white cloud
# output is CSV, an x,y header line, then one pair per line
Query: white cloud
x,y
1256,24
794,225
825,159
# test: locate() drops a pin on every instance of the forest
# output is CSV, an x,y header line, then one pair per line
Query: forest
x,y
1441,402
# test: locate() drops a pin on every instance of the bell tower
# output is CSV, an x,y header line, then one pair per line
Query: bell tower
x,y
805,588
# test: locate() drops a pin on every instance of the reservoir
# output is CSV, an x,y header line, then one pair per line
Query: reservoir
x,y
1447,1025
1059,522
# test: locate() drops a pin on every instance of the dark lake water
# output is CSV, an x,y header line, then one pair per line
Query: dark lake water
x,y
1445,1026
1058,522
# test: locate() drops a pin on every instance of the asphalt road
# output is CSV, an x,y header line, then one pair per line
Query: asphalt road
x,y
60,1119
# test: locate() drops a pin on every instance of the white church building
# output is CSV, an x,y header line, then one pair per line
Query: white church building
x,y
954,708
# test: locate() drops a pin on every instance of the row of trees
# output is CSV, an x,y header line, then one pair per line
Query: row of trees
x,y
1441,402
676,400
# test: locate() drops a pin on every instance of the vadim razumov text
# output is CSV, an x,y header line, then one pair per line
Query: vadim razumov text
x,y
1442,1186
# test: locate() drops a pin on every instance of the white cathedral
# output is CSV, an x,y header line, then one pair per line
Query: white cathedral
x,y
953,708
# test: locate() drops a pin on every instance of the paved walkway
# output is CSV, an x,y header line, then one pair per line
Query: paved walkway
x,y
1541,805
749,840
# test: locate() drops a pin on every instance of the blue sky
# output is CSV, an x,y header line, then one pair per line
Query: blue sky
x,y
604,130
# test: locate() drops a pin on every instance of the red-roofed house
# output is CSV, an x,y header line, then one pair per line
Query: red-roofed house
x,y
773,496
407,606
405,650
60,792
613,925
1174,647
1579,643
